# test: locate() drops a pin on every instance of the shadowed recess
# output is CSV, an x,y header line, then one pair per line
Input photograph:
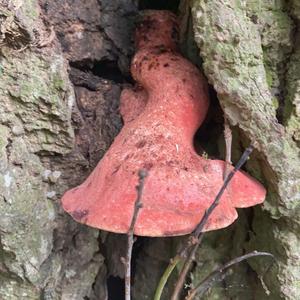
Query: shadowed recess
x,y
158,4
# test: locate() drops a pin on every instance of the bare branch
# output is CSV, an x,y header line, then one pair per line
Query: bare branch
x,y
220,273
186,268
130,238
227,180
189,250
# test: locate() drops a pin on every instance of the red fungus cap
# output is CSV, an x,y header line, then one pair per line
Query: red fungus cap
x,y
161,116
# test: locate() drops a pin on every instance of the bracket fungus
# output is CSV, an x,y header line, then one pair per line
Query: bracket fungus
x,y
161,115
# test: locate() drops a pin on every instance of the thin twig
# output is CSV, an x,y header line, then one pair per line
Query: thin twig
x,y
220,273
186,268
130,238
187,252
227,180
228,146
190,258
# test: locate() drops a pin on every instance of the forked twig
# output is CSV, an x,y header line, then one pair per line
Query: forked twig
x,y
185,269
227,180
198,232
220,273
130,238
189,249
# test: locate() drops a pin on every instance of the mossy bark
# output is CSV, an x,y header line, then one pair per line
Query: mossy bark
x,y
61,64
42,254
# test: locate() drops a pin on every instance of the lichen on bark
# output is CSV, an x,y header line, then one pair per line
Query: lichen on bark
x,y
35,122
246,49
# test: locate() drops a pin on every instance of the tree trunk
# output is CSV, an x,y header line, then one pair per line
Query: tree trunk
x,y
52,135
63,64
251,55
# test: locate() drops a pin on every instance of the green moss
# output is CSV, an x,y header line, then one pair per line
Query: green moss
x,y
33,91
37,93
275,102
269,76
58,82
13,289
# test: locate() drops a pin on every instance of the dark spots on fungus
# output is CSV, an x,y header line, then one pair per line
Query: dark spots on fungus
x,y
138,88
145,25
159,137
80,215
221,220
166,65
148,166
141,144
171,163
116,169
143,59
184,80
151,65
128,156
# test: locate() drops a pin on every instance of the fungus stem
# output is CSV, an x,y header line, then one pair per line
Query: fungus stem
x,y
130,238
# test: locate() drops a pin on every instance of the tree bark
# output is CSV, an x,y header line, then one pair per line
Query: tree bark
x,y
251,52
52,135
62,66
